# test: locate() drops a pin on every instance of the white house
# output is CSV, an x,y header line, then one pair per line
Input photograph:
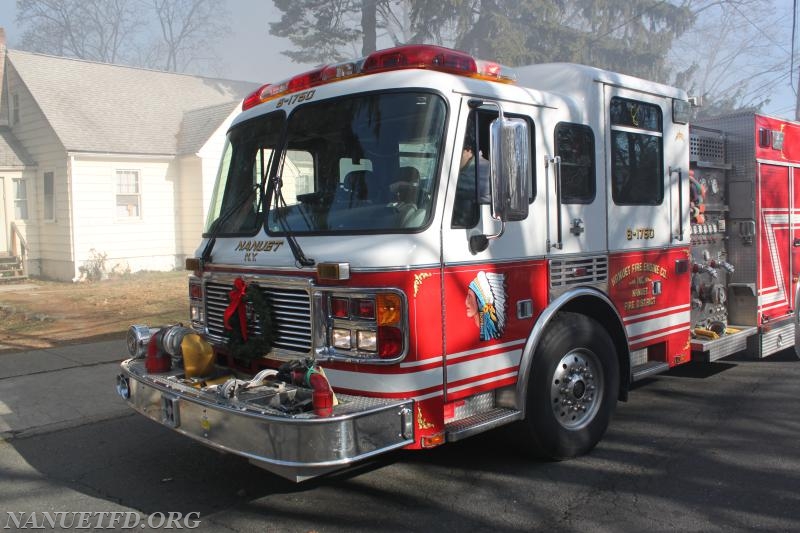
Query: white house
x,y
100,160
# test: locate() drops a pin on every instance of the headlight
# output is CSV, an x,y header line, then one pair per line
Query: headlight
x,y
341,338
364,325
137,338
123,387
367,341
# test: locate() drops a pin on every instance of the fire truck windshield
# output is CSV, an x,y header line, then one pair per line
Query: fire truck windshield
x,y
358,164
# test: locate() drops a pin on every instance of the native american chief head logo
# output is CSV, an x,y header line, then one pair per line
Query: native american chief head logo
x,y
486,304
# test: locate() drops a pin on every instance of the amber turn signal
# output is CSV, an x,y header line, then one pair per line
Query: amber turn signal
x,y
389,309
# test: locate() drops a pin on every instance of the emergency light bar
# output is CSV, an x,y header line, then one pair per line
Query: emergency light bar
x,y
402,57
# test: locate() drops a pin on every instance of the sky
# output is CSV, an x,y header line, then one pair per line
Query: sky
x,y
250,53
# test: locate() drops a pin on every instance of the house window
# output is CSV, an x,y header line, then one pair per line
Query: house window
x,y
49,198
129,197
15,109
637,153
575,146
20,199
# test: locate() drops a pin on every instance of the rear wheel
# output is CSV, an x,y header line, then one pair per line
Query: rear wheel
x,y
572,389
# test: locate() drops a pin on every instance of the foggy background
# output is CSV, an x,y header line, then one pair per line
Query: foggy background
x,y
737,54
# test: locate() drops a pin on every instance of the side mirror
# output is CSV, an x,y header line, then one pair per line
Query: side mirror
x,y
511,168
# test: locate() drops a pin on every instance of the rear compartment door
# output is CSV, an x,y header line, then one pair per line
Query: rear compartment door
x,y
794,221
775,241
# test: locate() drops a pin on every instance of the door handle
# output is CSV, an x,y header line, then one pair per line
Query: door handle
x,y
679,235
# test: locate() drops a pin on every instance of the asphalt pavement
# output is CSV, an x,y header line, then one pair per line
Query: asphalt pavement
x,y
705,447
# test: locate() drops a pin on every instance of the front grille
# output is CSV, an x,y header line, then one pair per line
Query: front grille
x,y
291,315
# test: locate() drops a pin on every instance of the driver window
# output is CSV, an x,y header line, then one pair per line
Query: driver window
x,y
473,186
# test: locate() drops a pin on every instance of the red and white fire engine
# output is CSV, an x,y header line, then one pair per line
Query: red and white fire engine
x,y
418,246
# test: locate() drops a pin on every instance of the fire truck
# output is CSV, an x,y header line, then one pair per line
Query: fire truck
x,y
419,246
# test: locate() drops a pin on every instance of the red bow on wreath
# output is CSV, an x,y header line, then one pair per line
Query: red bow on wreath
x,y
237,305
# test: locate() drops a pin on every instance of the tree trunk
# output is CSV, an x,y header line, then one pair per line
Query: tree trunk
x,y
369,13
797,101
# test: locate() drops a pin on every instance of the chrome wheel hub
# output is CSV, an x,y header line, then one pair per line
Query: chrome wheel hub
x,y
576,388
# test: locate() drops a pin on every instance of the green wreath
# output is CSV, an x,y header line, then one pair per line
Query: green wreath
x,y
256,346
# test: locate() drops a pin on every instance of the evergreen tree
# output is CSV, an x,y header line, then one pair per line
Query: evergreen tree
x,y
630,36
322,31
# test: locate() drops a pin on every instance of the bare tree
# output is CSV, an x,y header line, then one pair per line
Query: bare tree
x,y
189,28
174,35
736,55
99,30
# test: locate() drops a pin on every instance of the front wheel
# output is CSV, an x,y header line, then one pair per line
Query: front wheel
x,y
572,389
797,331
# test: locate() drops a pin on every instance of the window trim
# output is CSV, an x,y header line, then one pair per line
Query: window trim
x,y
15,199
592,166
52,197
15,115
117,194
640,131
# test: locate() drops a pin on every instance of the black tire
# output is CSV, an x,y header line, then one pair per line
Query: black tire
x,y
797,332
572,388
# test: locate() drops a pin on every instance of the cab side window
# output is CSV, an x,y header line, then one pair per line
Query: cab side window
x,y
575,147
637,153
472,186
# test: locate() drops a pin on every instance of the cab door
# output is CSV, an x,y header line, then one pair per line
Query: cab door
x,y
490,295
576,195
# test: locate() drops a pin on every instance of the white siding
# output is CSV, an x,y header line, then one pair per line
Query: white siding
x,y
148,242
192,204
198,176
175,194
50,242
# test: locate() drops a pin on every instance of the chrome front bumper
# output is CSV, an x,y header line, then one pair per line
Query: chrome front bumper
x,y
297,447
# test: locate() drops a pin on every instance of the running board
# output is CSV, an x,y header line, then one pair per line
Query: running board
x,y
650,368
478,423
734,340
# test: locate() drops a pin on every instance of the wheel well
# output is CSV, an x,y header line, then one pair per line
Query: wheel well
x,y
599,310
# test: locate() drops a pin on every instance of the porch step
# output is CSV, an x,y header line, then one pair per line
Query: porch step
x,y
480,422
11,269
650,368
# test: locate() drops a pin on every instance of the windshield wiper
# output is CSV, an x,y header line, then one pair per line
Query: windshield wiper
x,y
280,207
226,216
